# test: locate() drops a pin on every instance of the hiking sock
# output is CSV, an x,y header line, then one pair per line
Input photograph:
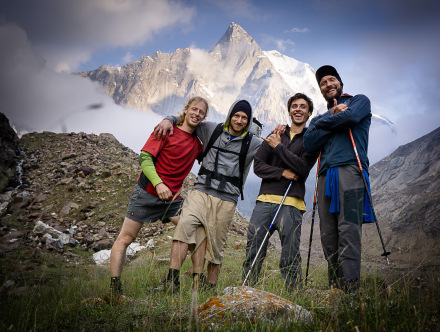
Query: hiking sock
x,y
202,278
173,276
115,287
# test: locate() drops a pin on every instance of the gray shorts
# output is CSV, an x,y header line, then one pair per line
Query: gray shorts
x,y
146,208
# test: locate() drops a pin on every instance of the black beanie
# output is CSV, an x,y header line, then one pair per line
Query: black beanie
x,y
242,106
327,70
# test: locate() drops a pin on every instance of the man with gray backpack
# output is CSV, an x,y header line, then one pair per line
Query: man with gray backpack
x,y
207,212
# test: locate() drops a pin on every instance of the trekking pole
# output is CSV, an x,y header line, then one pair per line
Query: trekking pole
x,y
385,252
267,234
313,217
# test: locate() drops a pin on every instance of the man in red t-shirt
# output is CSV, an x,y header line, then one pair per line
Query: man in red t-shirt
x,y
165,164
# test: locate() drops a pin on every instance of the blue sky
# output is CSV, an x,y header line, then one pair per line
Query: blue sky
x,y
387,50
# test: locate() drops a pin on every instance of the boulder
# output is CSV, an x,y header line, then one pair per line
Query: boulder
x,y
57,237
244,304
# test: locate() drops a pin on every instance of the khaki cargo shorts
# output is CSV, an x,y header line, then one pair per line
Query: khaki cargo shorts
x,y
205,216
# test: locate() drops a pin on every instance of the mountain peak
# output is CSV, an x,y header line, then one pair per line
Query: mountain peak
x,y
235,34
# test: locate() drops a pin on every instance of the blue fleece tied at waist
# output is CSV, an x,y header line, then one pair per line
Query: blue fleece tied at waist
x,y
332,191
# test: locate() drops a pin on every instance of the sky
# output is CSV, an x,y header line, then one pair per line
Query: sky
x,y
387,50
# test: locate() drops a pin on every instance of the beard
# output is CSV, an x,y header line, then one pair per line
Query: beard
x,y
337,95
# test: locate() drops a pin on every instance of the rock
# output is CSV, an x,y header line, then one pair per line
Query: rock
x,y
86,171
68,156
150,244
250,304
102,245
8,284
13,236
66,181
102,233
40,198
67,208
106,174
50,241
103,256
18,202
9,152
42,228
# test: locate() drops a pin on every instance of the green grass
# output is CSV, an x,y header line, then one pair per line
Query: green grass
x,y
55,299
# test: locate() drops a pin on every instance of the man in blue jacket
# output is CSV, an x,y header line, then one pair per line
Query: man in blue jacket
x,y
341,191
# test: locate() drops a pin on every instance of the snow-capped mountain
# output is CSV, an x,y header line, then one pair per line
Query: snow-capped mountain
x,y
234,68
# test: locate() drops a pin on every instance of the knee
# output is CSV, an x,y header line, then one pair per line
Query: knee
x,y
124,239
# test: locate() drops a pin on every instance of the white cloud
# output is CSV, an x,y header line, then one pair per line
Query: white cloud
x,y
283,44
36,98
128,57
280,44
298,30
68,32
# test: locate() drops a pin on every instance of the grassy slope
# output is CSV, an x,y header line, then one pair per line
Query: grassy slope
x,y
52,293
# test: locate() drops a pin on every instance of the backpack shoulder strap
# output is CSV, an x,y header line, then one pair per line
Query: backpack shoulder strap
x,y
217,132
242,158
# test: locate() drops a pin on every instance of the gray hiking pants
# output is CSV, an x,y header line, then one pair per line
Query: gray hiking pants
x,y
288,224
341,233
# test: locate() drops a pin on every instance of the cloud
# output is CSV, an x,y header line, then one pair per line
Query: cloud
x,y
68,32
280,44
36,98
297,30
128,57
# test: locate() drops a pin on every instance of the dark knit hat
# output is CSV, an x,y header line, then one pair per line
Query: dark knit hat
x,y
327,70
242,106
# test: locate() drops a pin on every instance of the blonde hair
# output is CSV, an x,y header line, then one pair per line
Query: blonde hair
x,y
188,104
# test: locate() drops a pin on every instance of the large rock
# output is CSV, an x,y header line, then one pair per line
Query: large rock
x,y
9,152
243,304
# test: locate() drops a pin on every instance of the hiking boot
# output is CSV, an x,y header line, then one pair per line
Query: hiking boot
x,y
115,296
206,286
167,286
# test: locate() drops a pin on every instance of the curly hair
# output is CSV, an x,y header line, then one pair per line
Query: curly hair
x,y
300,96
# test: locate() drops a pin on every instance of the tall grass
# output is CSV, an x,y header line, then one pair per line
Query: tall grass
x,y
56,299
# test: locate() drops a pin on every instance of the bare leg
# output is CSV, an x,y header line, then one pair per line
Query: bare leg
x,y
129,231
174,220
198,258
179,250
213,272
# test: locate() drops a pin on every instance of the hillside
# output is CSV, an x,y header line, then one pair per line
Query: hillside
x,y
78,184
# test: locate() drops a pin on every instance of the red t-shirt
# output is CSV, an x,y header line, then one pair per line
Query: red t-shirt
x,y
175,156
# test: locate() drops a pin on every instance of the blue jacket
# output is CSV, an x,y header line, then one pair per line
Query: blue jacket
x,y
328,133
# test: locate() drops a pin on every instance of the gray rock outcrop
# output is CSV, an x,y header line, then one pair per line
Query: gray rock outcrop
x,y
9,152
